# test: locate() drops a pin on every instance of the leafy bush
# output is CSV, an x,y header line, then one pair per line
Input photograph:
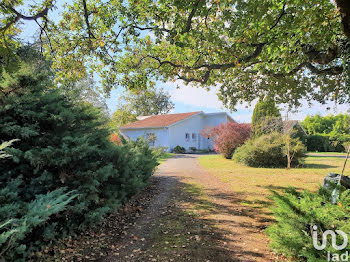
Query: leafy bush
x,y
297,132
64,151
227,137
179,150
268,151
296,214
160,151
193,149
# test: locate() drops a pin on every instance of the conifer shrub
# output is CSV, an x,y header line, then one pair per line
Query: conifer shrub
x,y
266,117
267,151
64,154
296,214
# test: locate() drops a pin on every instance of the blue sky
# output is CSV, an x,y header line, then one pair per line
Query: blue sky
x,y
187,99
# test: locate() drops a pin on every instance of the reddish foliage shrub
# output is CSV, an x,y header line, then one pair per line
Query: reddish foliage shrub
x,y
227,137
115,139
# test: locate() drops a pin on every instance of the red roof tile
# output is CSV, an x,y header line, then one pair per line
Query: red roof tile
x,y
159,120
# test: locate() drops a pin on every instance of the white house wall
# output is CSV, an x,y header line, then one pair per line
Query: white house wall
x,y
212,120
176,134
191,125
161,133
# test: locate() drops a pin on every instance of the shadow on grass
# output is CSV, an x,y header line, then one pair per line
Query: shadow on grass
x,y
326,156
317,166
278,188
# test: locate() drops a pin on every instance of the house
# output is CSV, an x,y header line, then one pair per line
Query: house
x,y
170,130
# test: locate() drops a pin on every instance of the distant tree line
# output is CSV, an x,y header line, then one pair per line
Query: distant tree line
x,y
327,133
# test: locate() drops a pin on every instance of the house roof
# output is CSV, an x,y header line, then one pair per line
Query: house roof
x,y
159,120
289,124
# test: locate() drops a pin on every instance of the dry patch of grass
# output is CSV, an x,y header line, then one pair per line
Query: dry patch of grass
x,y
256,183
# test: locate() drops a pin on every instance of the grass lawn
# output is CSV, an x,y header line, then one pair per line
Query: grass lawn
x,y
255,183
164,157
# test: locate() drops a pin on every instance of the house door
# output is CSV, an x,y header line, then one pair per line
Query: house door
x,y
199,141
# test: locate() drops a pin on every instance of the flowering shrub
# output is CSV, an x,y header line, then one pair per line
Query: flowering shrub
x,y
227,137
115,139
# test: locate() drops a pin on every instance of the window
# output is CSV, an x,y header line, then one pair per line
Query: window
x,y
194,137
187,137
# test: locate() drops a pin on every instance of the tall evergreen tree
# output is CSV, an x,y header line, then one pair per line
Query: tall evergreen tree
x,y
266,117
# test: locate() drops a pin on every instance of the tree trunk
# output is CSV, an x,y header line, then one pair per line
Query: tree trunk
x,y
288,155
288,160
344,10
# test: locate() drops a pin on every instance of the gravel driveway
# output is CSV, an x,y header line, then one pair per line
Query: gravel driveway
x,y
243,240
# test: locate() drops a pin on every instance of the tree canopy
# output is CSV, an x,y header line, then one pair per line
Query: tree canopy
x,y
331,125
144,102
147,102
265,108
121,117
288,49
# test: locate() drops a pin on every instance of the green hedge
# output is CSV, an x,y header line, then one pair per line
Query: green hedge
x,y
327,143
296,213
64,174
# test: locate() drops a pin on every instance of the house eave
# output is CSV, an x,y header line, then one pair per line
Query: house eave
x,y
137,128
219,113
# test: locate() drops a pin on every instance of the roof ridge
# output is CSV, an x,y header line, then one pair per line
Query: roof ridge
x,y
163,120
